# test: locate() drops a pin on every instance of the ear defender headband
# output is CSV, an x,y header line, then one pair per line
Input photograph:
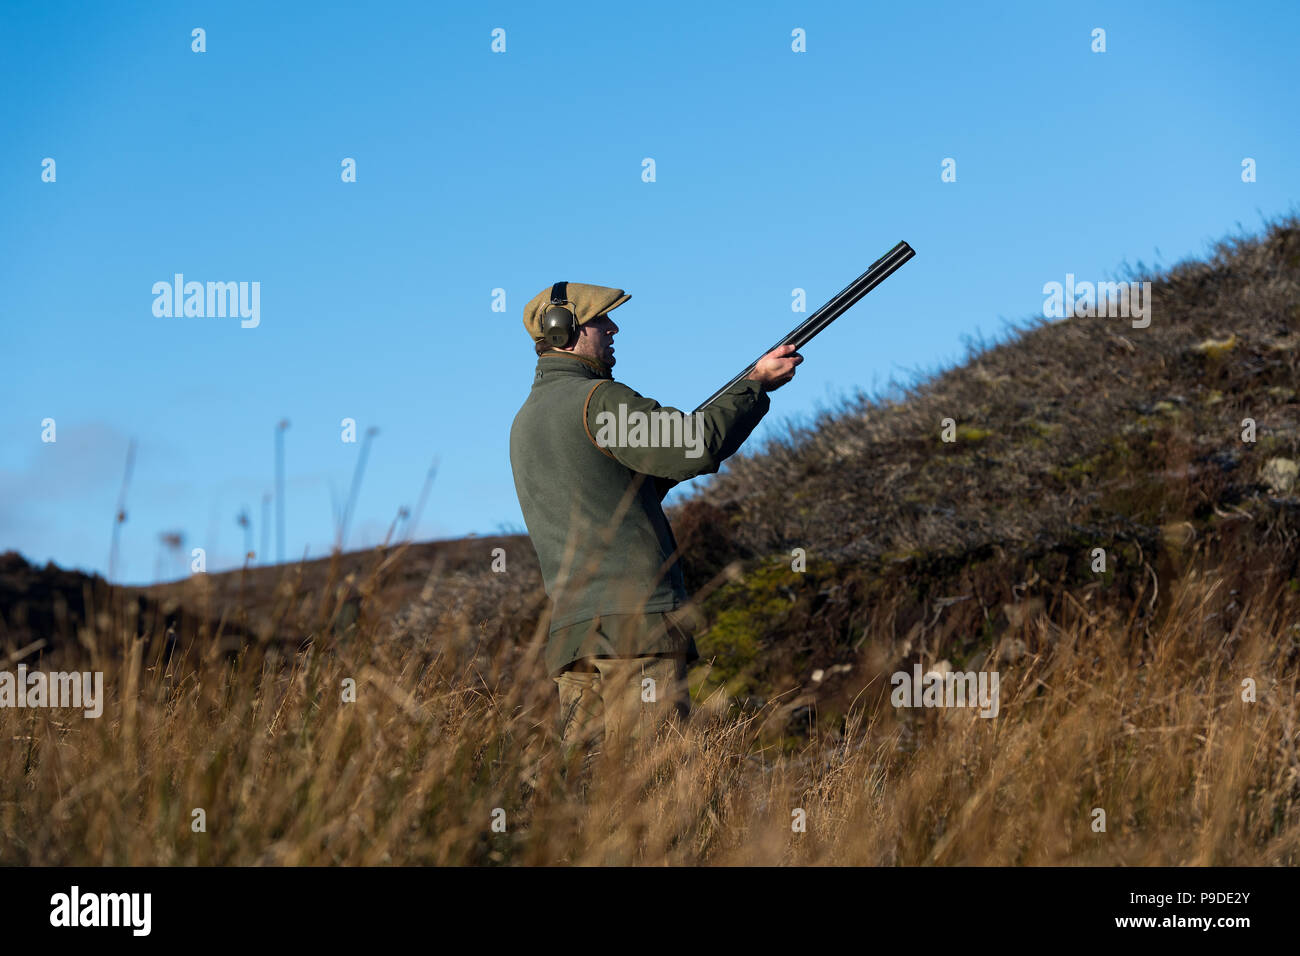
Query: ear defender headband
x,y
559,326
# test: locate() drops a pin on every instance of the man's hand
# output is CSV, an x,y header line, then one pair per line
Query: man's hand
x,y
776,367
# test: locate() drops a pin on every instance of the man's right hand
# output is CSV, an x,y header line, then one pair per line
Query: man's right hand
x,y
776,367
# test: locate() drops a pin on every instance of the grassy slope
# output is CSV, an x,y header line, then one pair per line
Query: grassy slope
x,y
1121,691
1073,435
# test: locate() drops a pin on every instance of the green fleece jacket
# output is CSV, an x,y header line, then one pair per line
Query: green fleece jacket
x,y
592,460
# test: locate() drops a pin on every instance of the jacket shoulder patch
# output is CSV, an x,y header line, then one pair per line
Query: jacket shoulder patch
x,y
586,427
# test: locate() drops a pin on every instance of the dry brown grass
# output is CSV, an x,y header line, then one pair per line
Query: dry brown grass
x,y
1120,691
1149,727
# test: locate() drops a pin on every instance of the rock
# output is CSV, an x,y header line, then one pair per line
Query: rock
x,y
1022,612
941,668
1280,474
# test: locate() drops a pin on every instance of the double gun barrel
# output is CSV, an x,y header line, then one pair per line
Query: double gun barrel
x,y
880,270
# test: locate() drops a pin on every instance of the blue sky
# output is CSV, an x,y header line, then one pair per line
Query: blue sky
x,y
478,171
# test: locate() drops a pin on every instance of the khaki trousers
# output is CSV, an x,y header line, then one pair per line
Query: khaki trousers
x,y
621,699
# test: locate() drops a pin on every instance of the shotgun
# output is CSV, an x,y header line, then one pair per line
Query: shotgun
x,y
880,270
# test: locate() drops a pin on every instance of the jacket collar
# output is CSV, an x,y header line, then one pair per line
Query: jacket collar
x,y
567,363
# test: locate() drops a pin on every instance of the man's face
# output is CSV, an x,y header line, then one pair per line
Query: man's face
x,y
596,340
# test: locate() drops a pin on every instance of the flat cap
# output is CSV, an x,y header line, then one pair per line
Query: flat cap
x,y
585,301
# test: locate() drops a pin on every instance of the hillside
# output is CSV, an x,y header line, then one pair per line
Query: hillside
x,y
1071,435
1078,427
367,708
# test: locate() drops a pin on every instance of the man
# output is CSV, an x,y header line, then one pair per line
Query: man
x,y
592,461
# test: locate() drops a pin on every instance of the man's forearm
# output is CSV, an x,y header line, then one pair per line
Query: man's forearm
x,y
699,443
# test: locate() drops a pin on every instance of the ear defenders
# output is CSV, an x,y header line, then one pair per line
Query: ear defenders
x,y
559,325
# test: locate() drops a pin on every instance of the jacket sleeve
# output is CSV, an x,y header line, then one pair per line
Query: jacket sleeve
x,y
665,442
